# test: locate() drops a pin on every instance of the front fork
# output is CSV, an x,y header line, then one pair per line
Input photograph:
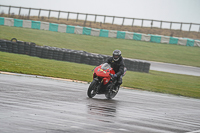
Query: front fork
x,y
113,84
99,81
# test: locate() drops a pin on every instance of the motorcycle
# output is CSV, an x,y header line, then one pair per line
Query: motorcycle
x,y
103,82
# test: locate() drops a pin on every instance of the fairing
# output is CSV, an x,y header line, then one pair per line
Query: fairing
x,y
103,71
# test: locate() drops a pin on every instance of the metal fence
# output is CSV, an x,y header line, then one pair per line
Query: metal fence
x,y
111,18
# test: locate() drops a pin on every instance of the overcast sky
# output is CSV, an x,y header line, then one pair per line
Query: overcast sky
x,y
166,10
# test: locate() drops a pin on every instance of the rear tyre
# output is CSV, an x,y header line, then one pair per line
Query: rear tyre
x,y
110,93
92,90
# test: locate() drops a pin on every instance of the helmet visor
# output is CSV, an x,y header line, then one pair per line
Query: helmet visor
x,y
116,56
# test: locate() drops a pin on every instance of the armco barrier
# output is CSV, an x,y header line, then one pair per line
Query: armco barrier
x,y
96,32
18,22
61,54
129,35
1,21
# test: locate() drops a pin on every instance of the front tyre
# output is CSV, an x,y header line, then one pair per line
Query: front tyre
x,y
110,93
92,90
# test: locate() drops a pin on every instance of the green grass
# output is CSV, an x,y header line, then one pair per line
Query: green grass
x,y
154,81
130,48
176,84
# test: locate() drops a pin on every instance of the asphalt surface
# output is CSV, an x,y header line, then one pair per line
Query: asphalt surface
x,y
30,104
173,68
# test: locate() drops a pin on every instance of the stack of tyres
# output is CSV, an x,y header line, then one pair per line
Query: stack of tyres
x,y
20,47
1,42
79,56
73,55
14,47
100,59
84,58
45,51
127,63
27,48
55,53
9,46
66,56
96,60
106,57
32,49
130,65
60,54
3,45
39,51
87,58
135,65
93,60
146,67
141,66
49,52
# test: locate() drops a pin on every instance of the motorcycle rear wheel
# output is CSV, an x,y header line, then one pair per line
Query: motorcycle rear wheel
x,y
92,90
110,93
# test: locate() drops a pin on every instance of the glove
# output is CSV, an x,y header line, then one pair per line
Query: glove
x,y
114,76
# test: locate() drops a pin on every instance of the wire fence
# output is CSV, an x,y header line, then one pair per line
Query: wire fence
x,y
85,17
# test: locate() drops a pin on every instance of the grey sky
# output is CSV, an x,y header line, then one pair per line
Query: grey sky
x,y
167,10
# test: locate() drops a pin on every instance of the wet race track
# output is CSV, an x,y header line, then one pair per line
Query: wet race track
x,y
43,105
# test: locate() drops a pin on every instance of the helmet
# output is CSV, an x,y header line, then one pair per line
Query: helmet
x,y
116,55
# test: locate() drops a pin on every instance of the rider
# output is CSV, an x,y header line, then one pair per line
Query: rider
x,y
117,63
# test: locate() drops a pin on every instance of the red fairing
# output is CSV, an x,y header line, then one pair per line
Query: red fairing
x,y
102,72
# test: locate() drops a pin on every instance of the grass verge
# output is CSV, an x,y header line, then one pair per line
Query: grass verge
x,y
169,53
176,84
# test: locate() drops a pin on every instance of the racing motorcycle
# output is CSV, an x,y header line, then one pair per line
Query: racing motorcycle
x,y
103,82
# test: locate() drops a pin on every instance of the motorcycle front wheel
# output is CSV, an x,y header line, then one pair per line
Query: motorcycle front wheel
x,y
110,93
92,90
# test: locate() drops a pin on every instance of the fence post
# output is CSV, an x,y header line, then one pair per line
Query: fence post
x,y
39,13
190,27
9,10
181,27
49,14
104,19
113,20
95,19
19,11
151,24
133,22
68,16
123,21
170,25
160,24
58,15
77,17
86,18
29,12
142,23
199,28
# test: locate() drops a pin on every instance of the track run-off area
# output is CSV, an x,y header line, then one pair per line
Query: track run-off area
x,y
35,104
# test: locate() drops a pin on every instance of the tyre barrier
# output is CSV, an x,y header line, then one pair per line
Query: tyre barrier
x,y
76,56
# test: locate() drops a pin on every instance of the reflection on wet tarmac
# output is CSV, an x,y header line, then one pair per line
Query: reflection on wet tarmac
x,y
99,108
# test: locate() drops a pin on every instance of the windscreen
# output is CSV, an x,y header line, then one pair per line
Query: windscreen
x,y
105,66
